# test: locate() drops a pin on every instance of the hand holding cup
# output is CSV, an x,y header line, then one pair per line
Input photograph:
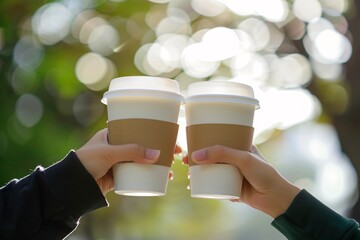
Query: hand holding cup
x,y
143,110
218,113
263,188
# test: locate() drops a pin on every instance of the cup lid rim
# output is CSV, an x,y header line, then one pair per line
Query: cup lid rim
x,y
142,93
224,98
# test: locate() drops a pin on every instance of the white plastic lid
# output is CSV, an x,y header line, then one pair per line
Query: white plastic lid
x,y
143,86
221,91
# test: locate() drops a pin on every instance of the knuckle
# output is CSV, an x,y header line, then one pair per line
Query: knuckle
x,y
108,154
136,150
247,160
216,153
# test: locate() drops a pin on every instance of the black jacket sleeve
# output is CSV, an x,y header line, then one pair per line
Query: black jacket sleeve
x,y
48,203
309,219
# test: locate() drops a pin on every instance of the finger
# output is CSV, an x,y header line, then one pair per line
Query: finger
x,y
244,160
130,152
177,149
106,183
254,169
217,154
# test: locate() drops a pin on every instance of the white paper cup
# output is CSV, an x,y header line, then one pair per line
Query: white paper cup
x,y
216,181
218,113
134,179
143,110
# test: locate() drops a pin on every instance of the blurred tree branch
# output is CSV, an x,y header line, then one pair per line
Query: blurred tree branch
x,y
348,123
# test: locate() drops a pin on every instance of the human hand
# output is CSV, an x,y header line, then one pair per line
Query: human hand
x,y
98,157
263,187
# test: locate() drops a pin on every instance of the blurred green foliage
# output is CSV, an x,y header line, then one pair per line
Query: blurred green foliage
x,y
54,82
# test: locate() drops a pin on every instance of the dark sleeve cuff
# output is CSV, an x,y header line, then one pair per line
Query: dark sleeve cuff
x,y
74,186
308,218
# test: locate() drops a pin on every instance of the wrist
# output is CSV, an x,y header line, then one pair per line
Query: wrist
x,y
282,200
82,155
66,178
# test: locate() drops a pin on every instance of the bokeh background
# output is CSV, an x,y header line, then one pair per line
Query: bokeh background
x,y
300,56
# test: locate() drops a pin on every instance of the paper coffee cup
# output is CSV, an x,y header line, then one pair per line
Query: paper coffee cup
x,y
218,113
143,110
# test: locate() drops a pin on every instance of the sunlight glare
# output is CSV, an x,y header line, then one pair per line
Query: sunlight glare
x,y
307,10
240,7
329,72
337,5
89,26
332,180
174,45
314,28
173,24
333,47
29,109
156,57
283,109
95,71
290,71
219,44
272,10
258,33
28,54
209,8
52,23
194,64
319,149
104,39
141,61
248,66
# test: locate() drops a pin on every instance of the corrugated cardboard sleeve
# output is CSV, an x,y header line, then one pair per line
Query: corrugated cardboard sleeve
x,y
229,135
149,133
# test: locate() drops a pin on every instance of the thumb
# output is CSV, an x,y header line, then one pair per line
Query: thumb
x,y
249,164
221,154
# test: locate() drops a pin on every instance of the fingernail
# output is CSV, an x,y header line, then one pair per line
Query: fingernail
x,y
199,155
152,154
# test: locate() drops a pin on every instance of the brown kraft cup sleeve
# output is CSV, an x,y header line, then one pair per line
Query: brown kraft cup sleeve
x,y
149,133
229,135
